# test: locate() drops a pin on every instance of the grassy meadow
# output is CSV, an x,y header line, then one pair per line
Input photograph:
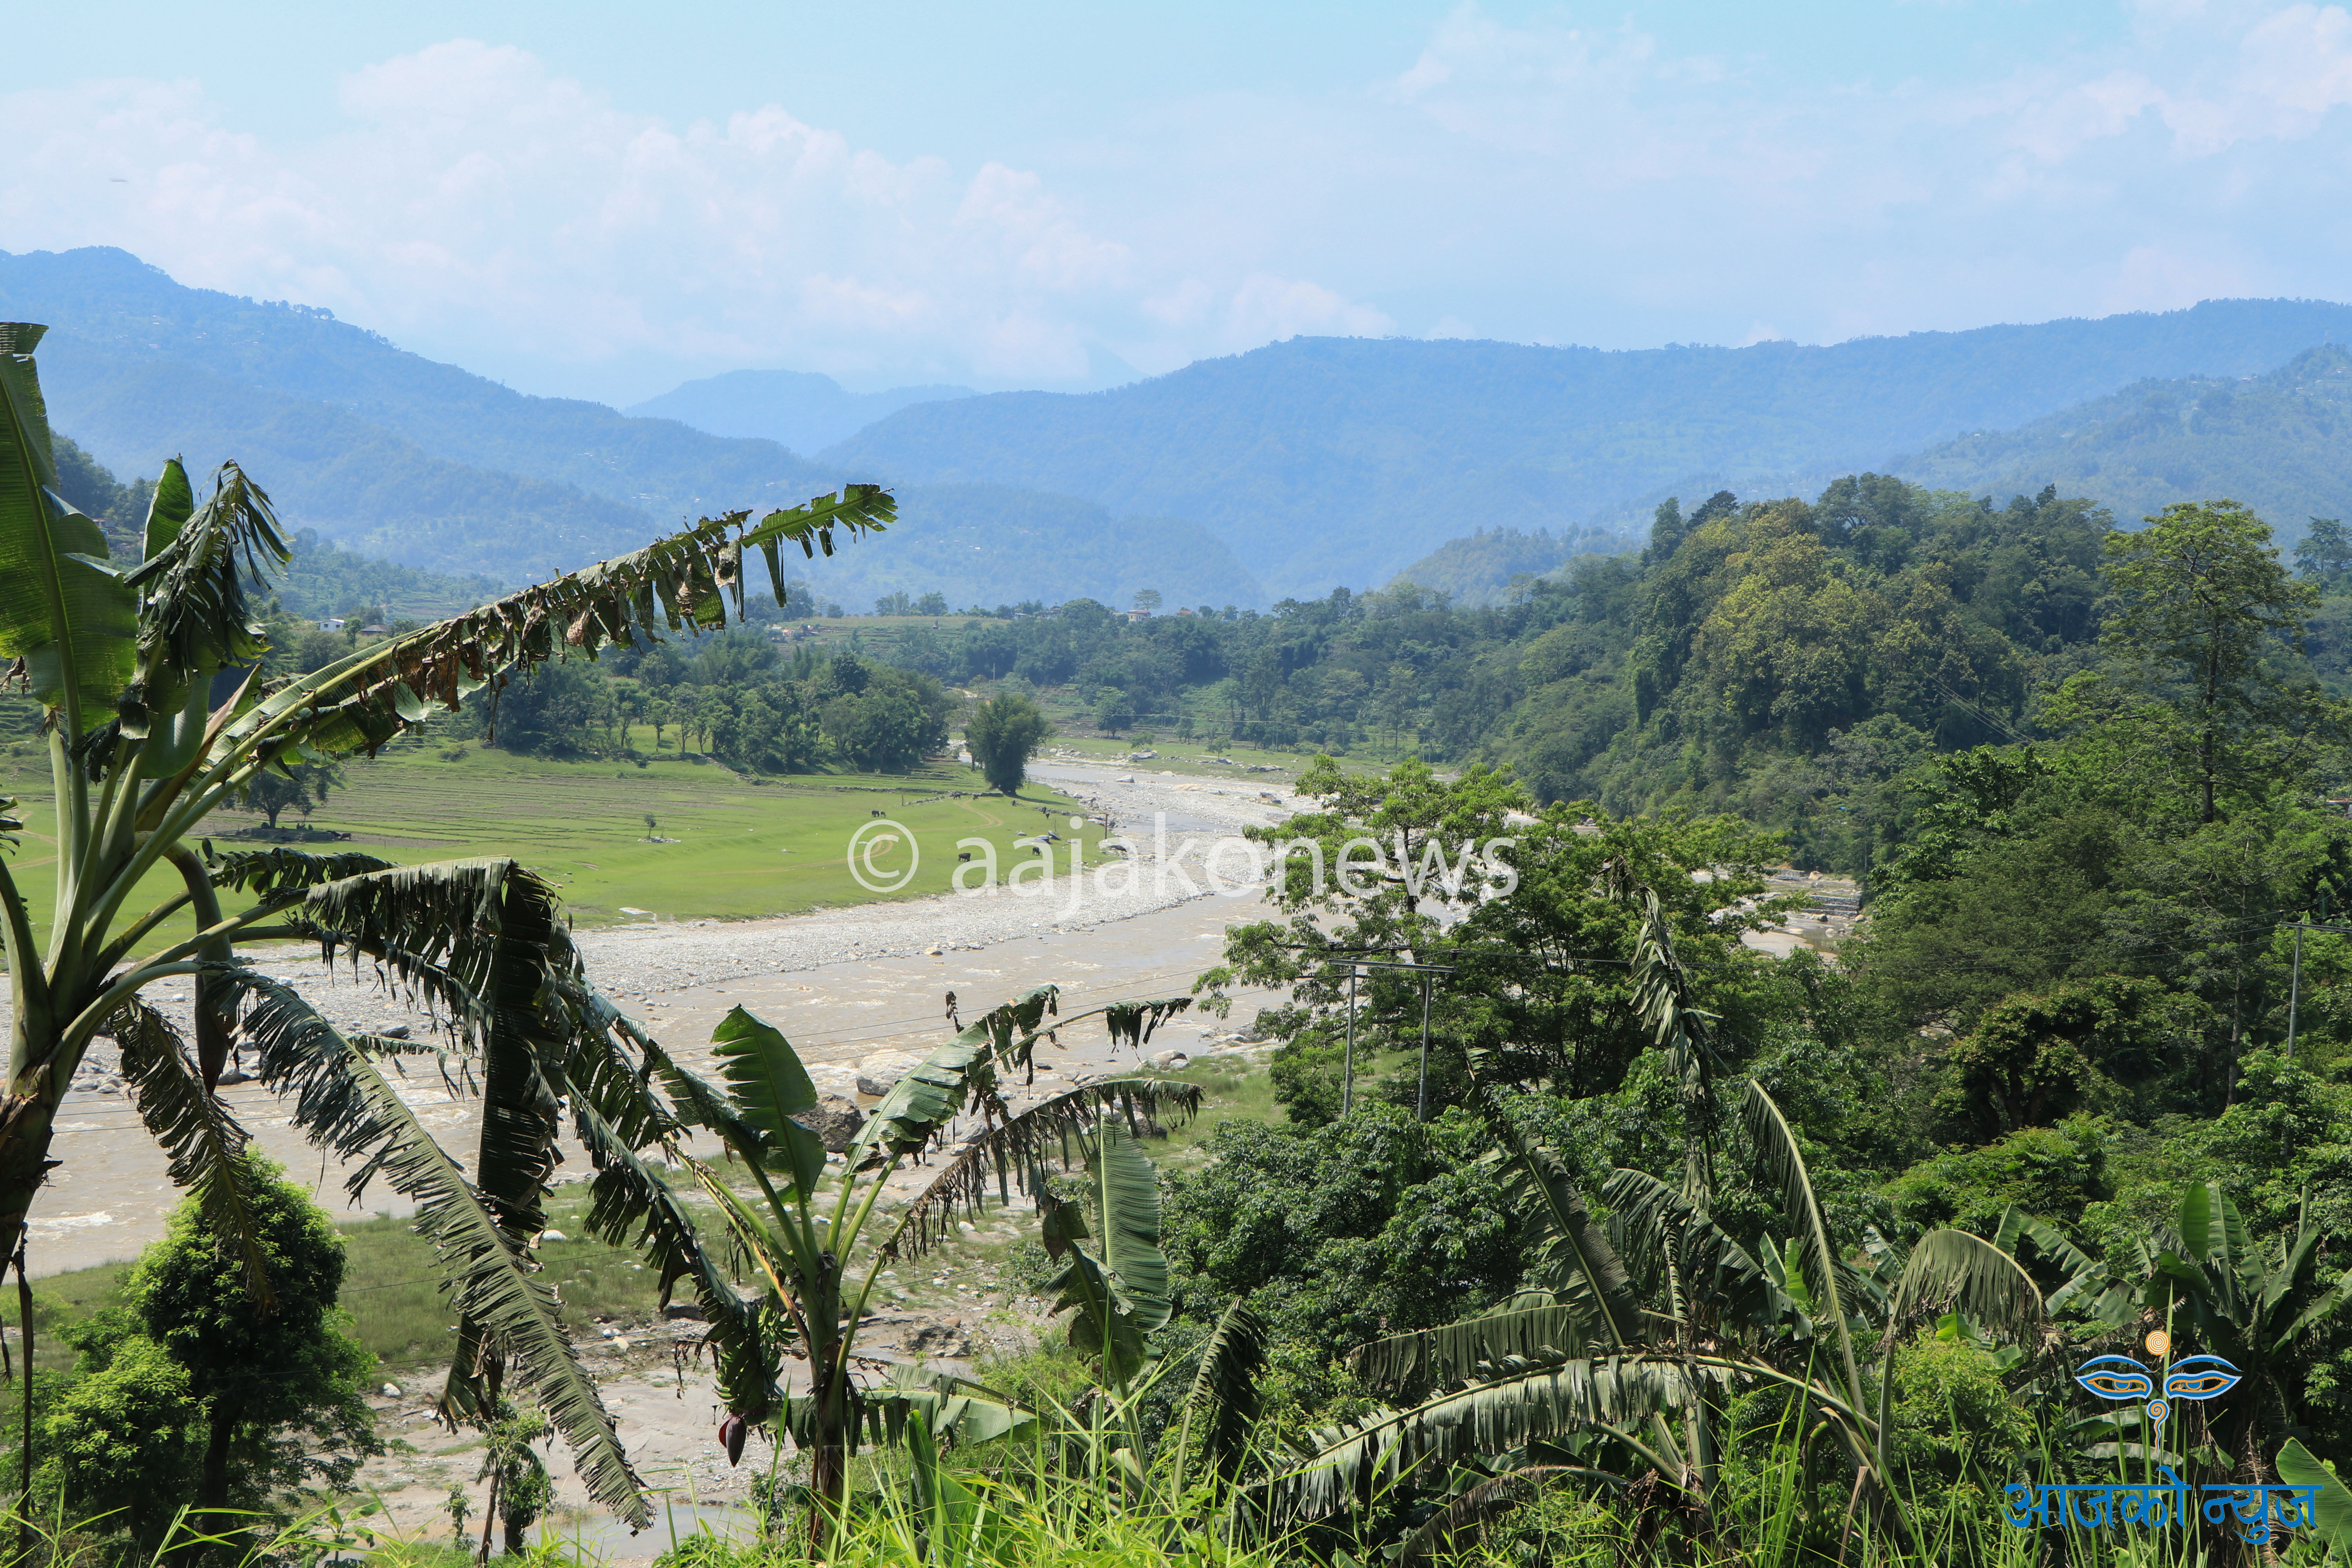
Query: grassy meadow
x,y
723,846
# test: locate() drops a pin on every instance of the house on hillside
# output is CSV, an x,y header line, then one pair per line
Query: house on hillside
x,y
331,624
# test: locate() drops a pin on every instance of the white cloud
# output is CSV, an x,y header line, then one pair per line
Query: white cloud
x,y
1267,307
478,206
1548,182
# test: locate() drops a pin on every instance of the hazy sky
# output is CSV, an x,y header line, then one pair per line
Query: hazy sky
x,y
601,200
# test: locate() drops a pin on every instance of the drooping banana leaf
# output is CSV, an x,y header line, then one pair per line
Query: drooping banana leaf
x,y
1712,1271
1579,1262
1221,1406
281,868
631,1206
203,1140
344,1104
1534,1325
1099,1325
1527,1402
1784,1164
1018,1153
680,581
1127,1197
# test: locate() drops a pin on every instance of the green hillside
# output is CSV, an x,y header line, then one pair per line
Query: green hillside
x,y
1479,570
1339,461
2281,443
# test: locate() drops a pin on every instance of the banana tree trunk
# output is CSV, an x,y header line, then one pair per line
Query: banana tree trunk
x,y
28,1125
830,1412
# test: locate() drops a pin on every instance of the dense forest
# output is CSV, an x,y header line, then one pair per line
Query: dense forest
x,y
2080,1037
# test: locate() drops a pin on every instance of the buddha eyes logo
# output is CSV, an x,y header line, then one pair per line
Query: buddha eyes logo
x,y
2191,1377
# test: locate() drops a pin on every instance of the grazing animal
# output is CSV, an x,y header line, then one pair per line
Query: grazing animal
x,y
965,856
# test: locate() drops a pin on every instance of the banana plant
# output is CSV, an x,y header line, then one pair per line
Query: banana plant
x,y
155,714
800,1235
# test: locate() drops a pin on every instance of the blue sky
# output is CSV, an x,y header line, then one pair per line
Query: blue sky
x,y
600,200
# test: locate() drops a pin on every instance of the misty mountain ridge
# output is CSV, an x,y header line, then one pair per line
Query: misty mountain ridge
x,y
802,409
429,466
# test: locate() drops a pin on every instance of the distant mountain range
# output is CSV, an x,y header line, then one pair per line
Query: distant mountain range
x,y
1339,461
427,465
1286,471
798,408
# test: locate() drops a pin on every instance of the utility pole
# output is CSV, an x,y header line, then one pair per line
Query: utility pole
x,y
1420,1105
1347,1083
1425,971
2294,985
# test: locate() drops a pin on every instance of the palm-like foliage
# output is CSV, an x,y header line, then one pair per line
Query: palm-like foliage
x,y
125,657
798,1237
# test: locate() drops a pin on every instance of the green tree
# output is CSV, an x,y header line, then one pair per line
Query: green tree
x,y
2324,552
123,661
2035,1058
194,1396
124,1442
1114,712
1368,875
1004,732
303,786
2202,608
307,1416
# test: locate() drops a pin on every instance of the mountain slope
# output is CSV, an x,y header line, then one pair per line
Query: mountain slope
x,y
325,468
2280,443
107,309
803,410
1324,460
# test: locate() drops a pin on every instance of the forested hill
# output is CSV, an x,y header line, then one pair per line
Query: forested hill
x,y
1328,460
1781,658
2280,443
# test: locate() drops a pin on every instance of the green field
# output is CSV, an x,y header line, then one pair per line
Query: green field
x,y
724,845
